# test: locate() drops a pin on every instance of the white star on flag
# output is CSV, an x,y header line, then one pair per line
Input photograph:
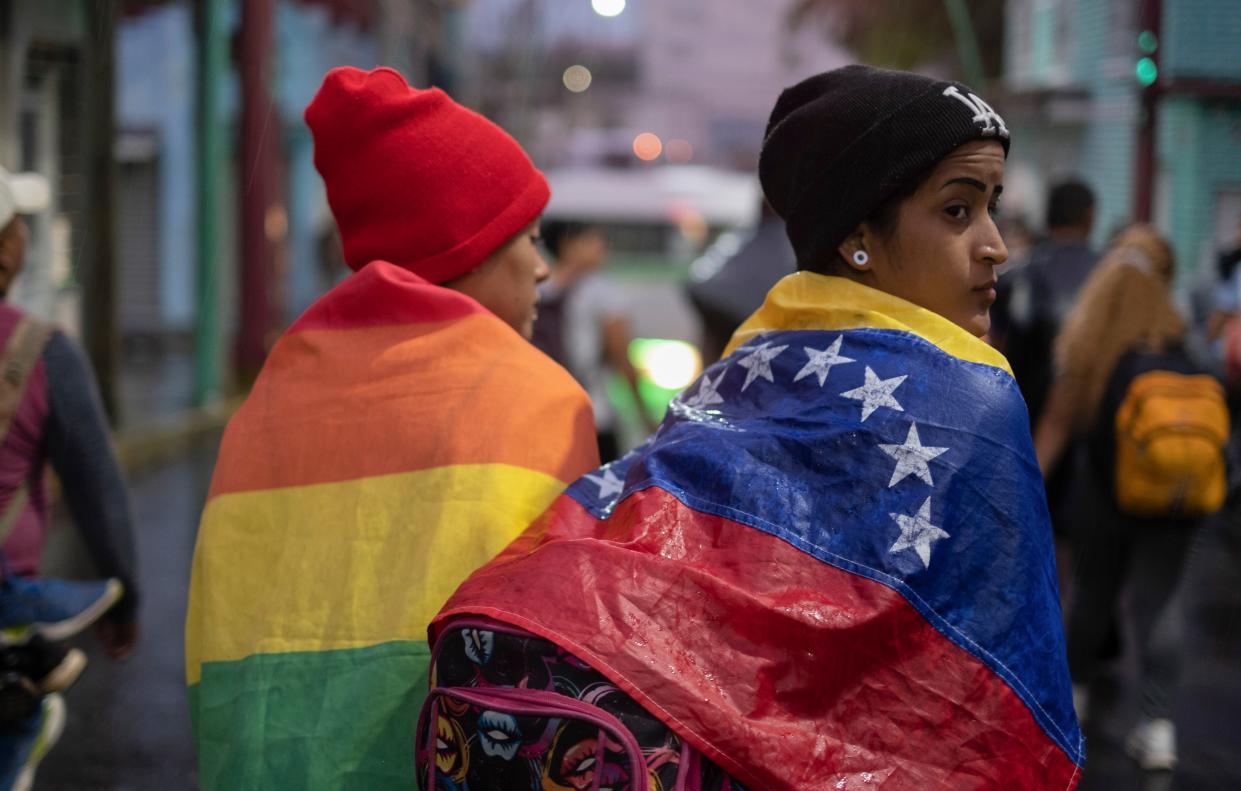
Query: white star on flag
x,y
876,392
609,485
758,363
912,457
706,394
821,362
917,533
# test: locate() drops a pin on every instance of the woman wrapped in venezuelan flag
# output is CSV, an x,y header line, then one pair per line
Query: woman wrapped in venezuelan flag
x,y
831,566
400,434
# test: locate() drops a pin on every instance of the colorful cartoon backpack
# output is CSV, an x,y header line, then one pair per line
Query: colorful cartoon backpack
x,y
509,710
1171,432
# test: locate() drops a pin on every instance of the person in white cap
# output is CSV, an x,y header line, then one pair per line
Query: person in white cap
x,y
20,193
50,410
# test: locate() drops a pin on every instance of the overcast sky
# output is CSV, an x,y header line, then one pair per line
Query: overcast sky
x,y
489,22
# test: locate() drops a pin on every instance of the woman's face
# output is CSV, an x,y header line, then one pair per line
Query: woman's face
x,y
945,247
506,283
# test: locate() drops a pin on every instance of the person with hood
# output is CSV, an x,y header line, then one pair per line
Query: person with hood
x,y
730,290
401,432
832,565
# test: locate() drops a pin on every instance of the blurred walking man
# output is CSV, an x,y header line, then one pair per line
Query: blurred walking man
x,y
1032,303
1035,297
50,411
401,433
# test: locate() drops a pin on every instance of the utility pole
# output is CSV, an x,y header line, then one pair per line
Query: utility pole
x,y
967,43
212,63
1150,29
260,132
99,321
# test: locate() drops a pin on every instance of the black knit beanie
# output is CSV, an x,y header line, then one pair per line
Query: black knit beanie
x,y
840,143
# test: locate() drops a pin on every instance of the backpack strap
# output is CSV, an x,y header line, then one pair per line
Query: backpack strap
x,y
21,353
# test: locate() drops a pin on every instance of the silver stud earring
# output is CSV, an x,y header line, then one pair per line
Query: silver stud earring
x,y
861,258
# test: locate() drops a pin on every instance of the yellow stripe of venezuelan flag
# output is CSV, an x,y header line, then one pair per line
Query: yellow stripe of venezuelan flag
x,y
809,301
349,564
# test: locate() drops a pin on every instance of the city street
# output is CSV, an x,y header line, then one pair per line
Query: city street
x,y
129,725
128,722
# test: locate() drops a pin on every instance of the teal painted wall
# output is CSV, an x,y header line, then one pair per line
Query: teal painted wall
x,y
1199,156
1110,139
1198,141
1201,39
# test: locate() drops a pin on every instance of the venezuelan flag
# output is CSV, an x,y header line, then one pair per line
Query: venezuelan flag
x,y
398,437
832,565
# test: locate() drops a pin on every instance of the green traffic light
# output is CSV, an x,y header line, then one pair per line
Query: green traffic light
x,y
1147,72
1148,42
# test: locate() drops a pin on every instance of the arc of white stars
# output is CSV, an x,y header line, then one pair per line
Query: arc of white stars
x,y
917,533
821,361
758,363
609,485
707,394
876,392
912,457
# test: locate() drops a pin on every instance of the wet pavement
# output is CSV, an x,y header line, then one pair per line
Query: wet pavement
x,y
128,725
128,722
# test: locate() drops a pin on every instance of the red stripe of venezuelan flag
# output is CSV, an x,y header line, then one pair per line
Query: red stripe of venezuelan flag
x,y
398,437
784,715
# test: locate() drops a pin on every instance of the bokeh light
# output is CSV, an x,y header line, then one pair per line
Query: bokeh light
x,y
679,151
577,78
1147,72
608,7
647,146
670,364
693,226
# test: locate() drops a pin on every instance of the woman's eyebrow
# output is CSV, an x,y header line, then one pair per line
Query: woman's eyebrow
x,y
975,183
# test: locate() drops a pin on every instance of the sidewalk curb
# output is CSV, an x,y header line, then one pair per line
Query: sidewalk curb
x,y
144,447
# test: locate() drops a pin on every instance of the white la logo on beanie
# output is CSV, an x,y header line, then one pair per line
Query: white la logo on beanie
x,y
991,121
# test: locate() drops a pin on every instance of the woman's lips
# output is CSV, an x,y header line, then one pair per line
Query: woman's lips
x,y
987,291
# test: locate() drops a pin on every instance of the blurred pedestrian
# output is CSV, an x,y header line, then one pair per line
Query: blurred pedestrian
x,y
50,411
737,287
1224,317
583,324
1035,296
1155,428
402,431
832,564
1033,299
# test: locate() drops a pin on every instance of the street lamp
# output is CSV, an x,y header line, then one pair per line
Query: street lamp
x,y
608,7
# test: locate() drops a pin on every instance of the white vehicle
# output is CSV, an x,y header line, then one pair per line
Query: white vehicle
x,y
657,221
659,217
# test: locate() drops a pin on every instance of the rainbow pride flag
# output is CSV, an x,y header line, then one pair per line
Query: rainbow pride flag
x,y
832,565
398,437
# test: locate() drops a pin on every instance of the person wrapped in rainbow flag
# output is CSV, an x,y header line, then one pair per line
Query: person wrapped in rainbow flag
x,y
402,431
831,567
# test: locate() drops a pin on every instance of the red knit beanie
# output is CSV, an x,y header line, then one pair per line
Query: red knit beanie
x,y
416,179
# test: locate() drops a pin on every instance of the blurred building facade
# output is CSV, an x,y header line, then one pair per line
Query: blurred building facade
x,y
703,73
156,150
42,52
1078,93
106,99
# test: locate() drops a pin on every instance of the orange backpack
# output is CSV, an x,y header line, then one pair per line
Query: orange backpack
x,y
1171,430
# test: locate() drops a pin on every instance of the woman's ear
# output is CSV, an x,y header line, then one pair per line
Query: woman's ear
x,y
853,251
